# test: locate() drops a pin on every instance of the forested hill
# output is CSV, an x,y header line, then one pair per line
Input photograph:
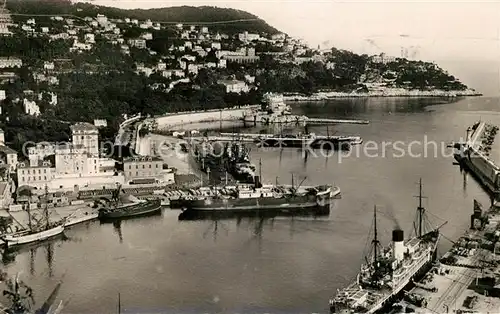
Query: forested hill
x,y
238,21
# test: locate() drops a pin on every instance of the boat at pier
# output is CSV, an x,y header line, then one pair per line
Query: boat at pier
x,y
389,270
118,207
39,229
259,198
311,140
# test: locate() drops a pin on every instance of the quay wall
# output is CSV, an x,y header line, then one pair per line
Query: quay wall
x,y
182,118
481,165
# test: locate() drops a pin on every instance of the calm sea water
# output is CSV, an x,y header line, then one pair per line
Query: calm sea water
x,y
161,265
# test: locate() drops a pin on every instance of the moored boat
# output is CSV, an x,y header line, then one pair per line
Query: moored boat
x,y
261,198
389,270
117,208
29,236
37,230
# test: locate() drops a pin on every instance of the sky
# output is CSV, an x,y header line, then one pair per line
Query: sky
x,y
461,36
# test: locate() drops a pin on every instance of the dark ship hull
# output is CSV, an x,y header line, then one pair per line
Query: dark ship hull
x,y
134,210
287,204
328,144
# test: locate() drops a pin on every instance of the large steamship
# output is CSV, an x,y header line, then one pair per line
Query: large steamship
x,y
389,270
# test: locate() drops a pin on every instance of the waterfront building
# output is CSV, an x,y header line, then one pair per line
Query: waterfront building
x,y
146,170
37,176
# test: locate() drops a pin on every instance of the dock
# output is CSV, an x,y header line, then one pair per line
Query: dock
x,y
473,156
457,280
335,121
224,139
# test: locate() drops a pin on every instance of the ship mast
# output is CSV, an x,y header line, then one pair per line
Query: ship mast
x,y
421,209
375,240
46,210
260,169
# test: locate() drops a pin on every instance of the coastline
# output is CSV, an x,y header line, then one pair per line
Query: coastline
x,y
395,92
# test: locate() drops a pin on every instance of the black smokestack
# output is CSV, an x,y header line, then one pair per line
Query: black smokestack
x,y
397,235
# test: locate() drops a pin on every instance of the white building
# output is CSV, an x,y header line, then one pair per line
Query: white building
x,y
125,49
45,30
147,36
192,69
100,123
9,62
138,43
246,37
37,153
234,86
222,63
249,79
147,71
47,65
383,58
3,96
37,176
90,38
30,107
161,66
278,37
173,72
216,45
77,46
86,135
102,20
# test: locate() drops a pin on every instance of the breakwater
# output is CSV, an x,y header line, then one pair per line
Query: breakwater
x,y
175,120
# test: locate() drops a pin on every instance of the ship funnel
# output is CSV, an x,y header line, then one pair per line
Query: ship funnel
x,y
398,244
468,136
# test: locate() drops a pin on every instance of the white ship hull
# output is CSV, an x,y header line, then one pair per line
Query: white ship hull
x,y
381,298
25,238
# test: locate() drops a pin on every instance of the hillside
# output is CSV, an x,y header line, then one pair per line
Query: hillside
x,y
239,20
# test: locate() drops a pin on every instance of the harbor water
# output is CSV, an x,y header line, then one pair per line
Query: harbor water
x,y
285,265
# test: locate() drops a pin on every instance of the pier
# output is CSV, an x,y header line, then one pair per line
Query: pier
x,y
460,275
473,155
334,121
